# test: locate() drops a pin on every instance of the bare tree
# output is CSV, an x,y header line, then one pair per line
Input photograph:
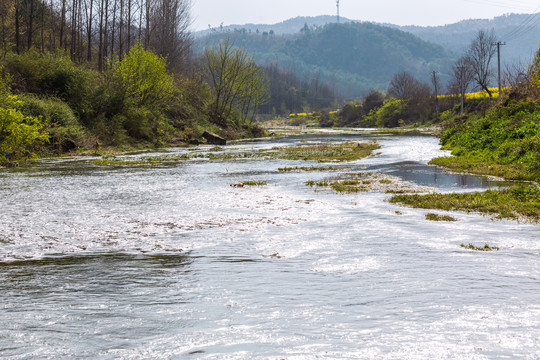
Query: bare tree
x,y
403,86
463,76
168,34
481,52
515,74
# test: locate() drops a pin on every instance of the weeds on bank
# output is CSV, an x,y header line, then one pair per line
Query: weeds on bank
x,y
347,151
311,168
521,202
481,166
150,161
366,182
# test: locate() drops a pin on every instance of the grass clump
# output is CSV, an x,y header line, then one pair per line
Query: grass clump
x,y
521,202
347,151
365,182
310,168
484,166
151,161
255,183
249,183
437,217
486,247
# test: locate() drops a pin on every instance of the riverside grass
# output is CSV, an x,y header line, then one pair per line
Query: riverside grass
x,y
369,182
327,152
504,143
521,202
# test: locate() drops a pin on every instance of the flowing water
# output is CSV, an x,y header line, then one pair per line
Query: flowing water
x,y
171,262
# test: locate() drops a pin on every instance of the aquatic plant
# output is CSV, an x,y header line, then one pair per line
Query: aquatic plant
x,y
486,247
436,217
311,168
249,183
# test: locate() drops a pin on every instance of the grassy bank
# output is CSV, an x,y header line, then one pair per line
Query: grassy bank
x,y
518,203
504,142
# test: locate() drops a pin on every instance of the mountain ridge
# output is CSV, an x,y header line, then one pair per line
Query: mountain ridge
x,y
455,37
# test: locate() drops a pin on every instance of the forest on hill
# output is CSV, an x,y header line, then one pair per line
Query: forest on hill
x,y
519,31
351,57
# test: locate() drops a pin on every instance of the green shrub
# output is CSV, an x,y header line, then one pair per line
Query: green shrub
x,y
19,134
54,111
64,129
388,115
142,78
53,75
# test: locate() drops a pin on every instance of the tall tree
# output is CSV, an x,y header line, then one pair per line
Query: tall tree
x,y
236,80
481,52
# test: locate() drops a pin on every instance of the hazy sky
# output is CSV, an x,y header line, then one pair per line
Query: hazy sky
x,y
400,12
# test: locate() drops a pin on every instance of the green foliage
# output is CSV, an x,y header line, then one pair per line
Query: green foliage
x,y
54,111
52,75
508,135
521,202
535,70
18,133
239,85
437,217
142,78
389,115
62,125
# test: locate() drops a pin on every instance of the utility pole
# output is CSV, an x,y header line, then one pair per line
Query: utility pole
x,y
337,4
499,64
461,86
435,81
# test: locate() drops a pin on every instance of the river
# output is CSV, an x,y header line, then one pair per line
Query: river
x,y
171,262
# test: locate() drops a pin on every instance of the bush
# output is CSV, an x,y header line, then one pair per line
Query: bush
x,y
142,78
52,75
389,115
54,111
65,131
19,134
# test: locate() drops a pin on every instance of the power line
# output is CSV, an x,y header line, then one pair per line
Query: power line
x,y
525,30
512,5
526,25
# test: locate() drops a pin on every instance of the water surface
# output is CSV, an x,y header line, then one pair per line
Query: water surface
x,y
172,262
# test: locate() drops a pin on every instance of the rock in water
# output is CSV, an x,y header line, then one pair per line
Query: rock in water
x,y
214,139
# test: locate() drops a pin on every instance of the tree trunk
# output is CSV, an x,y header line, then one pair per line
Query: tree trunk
x,y
121,37
17,28
100,49
89,40
30,24
62,24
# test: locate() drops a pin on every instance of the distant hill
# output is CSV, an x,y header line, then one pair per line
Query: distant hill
x,y
353,57
521,32
291,26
